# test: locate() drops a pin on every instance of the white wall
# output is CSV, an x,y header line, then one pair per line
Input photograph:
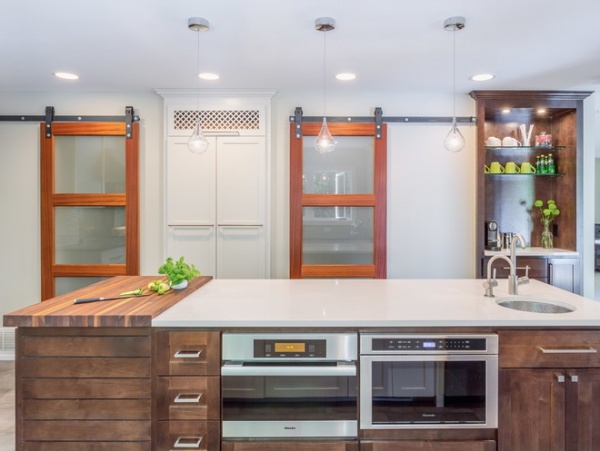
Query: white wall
x,y
431,192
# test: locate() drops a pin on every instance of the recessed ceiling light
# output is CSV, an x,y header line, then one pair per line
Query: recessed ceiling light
x,y
208,76
505,110
345,76
66,75
482,77
541,110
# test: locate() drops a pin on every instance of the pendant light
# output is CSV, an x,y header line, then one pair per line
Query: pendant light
x,y
324,142
197,142
454,142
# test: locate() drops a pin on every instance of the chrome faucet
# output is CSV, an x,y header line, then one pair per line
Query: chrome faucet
x,y
513,280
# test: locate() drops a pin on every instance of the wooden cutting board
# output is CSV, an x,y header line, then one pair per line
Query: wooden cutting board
x,y
127,312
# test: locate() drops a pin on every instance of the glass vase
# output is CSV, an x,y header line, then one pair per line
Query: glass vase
x,y
547,237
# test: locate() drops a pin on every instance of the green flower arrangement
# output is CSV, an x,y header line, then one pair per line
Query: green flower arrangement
x,y
547,216
548,213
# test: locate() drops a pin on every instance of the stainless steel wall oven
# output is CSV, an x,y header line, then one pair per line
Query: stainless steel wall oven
x,y
428,381
289,385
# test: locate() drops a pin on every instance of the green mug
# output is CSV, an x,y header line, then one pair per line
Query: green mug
x,y
494,168
527,168
512,168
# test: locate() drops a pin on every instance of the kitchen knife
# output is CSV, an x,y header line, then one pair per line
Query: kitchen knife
x,y
85,300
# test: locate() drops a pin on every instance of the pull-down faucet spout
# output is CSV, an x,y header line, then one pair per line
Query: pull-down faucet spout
x,y
513,280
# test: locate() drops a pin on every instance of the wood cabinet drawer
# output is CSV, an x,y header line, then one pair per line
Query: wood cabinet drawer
x,y
87,446
188,353
188,398
538,267
190,435
422,445
295,446
549,349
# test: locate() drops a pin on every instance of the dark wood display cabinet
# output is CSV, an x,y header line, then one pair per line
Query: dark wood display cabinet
x,y
508,197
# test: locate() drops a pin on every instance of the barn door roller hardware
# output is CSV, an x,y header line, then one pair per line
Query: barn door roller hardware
x,y
379,119
129,118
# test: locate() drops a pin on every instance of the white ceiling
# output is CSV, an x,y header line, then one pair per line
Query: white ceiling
x,y
141,45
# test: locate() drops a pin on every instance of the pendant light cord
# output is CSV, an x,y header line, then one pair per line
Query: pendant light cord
x,y
198,77
454,77
324,71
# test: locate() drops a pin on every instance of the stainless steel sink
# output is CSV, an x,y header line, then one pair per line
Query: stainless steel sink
x,y
535,305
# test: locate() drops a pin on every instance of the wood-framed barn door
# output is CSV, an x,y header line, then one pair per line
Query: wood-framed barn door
x,y
338,202
89,179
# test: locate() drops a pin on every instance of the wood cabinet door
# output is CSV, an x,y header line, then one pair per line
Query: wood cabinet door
x,y
564,273
583,409
531,410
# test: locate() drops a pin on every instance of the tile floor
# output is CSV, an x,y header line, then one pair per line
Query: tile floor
x,y
7,405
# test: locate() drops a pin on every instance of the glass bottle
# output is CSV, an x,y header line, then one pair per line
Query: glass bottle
x,y
543,165
538,165
551,166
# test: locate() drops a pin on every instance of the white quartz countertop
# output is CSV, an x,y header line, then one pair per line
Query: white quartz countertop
x,y
535,252
367,303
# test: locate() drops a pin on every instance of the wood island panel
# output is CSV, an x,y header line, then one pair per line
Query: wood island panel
x,y
98,392
127,312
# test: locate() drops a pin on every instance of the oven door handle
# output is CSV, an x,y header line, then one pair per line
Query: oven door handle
x,y
238,369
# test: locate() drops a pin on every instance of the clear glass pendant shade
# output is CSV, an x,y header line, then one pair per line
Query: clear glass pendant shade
x,y
324,142
454,142
197,142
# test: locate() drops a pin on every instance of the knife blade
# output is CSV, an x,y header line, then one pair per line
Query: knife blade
x,y
86,300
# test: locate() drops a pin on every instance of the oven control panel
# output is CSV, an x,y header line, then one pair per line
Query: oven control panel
x,y
428,344
290,348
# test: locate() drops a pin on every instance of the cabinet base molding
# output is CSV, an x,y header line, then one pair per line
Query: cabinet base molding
x,y
420,445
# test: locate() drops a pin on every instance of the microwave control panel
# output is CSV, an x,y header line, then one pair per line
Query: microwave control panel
x,y
286,349
428,344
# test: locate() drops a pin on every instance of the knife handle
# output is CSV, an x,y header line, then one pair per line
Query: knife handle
x,y
85,300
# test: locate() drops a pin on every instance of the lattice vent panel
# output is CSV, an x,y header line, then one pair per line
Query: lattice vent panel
x,y
218,120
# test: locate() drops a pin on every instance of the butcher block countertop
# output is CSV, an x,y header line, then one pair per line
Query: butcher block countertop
x,y
127,312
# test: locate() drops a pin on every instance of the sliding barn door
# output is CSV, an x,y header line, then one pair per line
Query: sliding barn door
x,y
338,202
89,204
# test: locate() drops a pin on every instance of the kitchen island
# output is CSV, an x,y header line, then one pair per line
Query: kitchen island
x,y
107,375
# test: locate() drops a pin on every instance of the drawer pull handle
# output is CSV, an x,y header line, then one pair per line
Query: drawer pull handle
x,y
188,354
188,397
188,442
560,377
568,351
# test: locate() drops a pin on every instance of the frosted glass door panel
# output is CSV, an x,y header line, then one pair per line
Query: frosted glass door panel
x,y
196,244
241,180
241,253
346,170
89,235
337,236
190,184
89,164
